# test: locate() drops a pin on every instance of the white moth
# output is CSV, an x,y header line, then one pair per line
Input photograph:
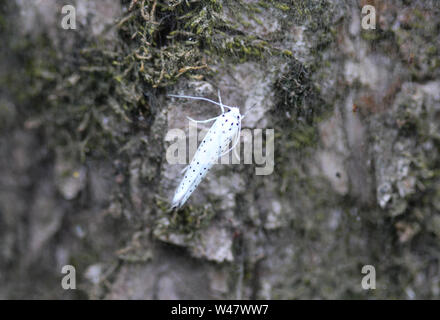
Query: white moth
x,y
225,130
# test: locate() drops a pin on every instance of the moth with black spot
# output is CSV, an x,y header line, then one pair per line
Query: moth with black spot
x,y
225,130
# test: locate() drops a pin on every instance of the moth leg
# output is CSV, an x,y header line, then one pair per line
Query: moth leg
x,y
229,150
235,143
248,111
198,98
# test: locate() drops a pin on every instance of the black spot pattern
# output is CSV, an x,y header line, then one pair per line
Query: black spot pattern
x,y
192,181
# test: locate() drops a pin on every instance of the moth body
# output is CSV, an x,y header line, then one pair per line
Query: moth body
x,y
224,131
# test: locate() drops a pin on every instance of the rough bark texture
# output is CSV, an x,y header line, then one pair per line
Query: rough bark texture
x,y
84,179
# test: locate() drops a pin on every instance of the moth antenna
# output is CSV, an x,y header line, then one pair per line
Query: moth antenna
x,y
199,98
202,121
248,110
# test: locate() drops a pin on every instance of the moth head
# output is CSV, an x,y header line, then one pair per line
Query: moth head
x,y
235,111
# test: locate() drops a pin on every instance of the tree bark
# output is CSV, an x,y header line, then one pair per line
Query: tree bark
x,y
85,179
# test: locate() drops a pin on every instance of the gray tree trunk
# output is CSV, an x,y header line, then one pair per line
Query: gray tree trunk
x,y
85,179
